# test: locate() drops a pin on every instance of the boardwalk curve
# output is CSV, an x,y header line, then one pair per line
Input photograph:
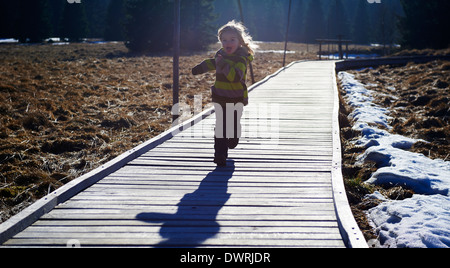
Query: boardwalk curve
x,y
282,186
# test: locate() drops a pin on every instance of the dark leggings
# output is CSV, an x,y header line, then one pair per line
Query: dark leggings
x,y
224,138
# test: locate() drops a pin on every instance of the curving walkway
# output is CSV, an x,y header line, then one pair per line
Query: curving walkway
x,y
282,186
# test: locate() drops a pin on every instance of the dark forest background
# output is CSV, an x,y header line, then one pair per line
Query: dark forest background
x,y
146,25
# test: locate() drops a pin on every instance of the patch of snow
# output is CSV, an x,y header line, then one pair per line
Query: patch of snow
x,y
413,170
53,39
266,51
376,195
8,41
360,98
275,51
60,43
396,221
418,222
350,56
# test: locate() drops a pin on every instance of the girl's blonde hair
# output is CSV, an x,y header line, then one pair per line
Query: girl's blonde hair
x,y
244,37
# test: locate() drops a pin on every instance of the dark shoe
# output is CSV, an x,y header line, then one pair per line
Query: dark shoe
x,y
221,161
233,143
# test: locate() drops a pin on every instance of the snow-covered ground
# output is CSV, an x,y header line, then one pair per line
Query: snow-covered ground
x,y
8,41
275,51
350,56
420,221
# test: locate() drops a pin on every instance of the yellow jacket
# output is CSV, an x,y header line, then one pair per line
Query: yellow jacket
x,y
231,74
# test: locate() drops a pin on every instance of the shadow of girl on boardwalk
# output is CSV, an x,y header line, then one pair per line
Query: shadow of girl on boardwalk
x,y
195,220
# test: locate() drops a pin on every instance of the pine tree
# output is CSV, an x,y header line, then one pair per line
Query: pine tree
x,y
425,24
314,21
265,19
199,30
385,25
274,19
149,25
115,18
33,24
74,25
56,11
361,24
9,14
226,11
297,29
96,15
337,20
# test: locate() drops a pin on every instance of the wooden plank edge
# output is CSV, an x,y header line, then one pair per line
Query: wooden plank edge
x,y
352,235
378,61
31,214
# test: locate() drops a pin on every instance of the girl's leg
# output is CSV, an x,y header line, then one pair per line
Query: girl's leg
x,y
233,141
220,140
223,141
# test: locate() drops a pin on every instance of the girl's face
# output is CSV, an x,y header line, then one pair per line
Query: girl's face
x,y
230,42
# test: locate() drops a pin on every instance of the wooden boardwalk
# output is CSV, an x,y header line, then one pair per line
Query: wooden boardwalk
x,y
277,190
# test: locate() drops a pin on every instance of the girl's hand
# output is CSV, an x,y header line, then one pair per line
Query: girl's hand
x,y
197,70
219,58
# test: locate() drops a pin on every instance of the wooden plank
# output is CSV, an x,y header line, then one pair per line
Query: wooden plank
x,y
180,235
268,159
243,158
86,227
202,219
150,171
183,242
298,149
197,205
203,223
141,175
157,198
256,195
243,183
180,170
134,225
69,213
163,199
117,207
292,166
148,183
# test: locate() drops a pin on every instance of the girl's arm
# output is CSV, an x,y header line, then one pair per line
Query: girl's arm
x,y
204,67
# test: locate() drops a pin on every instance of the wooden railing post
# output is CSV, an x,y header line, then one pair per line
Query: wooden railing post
x,y
176,59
